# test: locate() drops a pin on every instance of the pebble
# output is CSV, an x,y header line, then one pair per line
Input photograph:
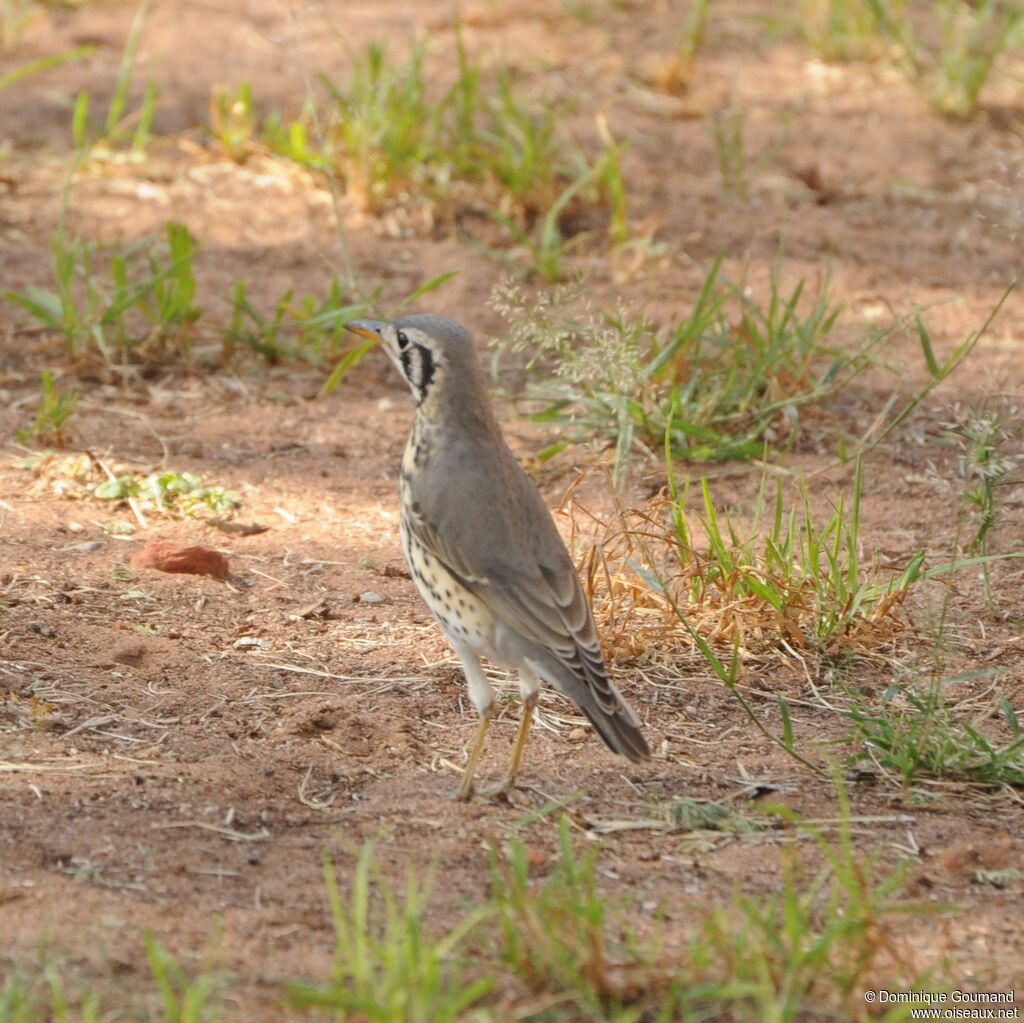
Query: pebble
x,y
250,643
172,557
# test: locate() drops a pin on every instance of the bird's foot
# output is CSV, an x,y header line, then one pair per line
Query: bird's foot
x,y
464,793
500,792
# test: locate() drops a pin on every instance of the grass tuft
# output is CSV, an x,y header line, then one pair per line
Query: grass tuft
x,y
790,580
55,408
948,48
141,303
913,732
387,966
398,139
731,376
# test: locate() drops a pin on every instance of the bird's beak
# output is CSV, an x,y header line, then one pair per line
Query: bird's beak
x,y
367,328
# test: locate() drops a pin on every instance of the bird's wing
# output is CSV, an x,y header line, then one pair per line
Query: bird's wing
x,y
530,584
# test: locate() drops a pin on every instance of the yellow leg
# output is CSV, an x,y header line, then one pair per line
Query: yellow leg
x,y
504,787
466,788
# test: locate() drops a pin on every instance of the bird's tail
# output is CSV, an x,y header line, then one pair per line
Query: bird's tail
x,y
584,680
618,726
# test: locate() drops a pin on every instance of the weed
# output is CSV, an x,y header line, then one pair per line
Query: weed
x,y
382,130
176,494
791,581
55,408
809,947
688,814
693,32
819,940
719,383
35,67
118,124
613,184
309,329
949,48
557,935
169,305
844,29
239,129
546,247
727,127
184,1000
15,17
44,1000
735,165
391,139
822,938
387,966
234,122
952,54
914,732
390,135
107,314
982,436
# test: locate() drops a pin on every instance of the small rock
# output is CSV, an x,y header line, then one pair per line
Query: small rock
x,y
172,557
86,548
251,643
370,597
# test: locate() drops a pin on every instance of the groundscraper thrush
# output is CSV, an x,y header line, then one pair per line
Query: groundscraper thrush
x,y
483,549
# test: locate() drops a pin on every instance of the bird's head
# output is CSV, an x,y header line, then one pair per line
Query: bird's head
x,y
435,355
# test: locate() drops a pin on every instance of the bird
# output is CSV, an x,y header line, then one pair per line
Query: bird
x,y
483,550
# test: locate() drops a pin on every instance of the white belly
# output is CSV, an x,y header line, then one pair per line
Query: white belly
x,y
462,617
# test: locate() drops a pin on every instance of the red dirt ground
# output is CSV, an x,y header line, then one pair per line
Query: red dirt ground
x,y
177,753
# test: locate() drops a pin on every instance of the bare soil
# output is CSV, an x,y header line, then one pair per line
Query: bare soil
x,y
177,753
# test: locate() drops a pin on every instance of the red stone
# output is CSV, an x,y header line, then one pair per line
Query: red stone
x,y
172,557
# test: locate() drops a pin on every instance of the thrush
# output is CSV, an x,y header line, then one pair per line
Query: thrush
x,y
483,549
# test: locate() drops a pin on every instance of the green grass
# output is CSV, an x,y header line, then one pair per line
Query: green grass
x,y
791,577
844,29
952,53
391,130
55,408
736,164
388,966
139,298
120,126
309,329
35,67
820,939
553,947
816,940
911,731
15,17
986,466
135,303
393,137
719,384
948,48
45,996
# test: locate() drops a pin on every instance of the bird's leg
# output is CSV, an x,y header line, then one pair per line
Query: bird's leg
x,y
465,792
504,787
481,694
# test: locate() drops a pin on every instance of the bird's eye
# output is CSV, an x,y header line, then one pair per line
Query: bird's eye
x,y
403,339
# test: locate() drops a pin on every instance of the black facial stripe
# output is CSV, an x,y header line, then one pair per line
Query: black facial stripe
x,y
418,367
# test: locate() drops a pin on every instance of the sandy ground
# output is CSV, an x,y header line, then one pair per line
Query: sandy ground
x,y
177,753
